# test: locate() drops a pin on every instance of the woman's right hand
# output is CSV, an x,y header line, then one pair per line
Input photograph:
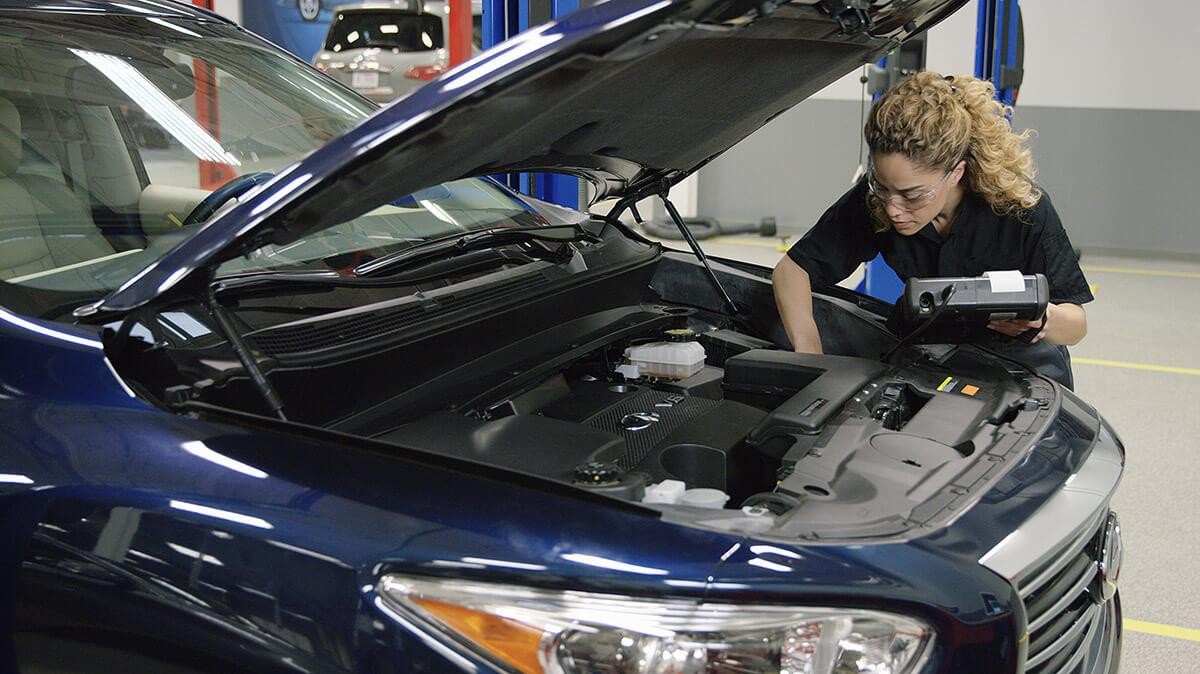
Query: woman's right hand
x,y
793,298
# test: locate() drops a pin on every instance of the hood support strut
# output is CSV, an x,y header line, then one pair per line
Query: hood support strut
x,y
221,316
687,234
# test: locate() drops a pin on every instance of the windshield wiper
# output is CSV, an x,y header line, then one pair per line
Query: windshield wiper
x,y
292,281
253,278
418,271
487,238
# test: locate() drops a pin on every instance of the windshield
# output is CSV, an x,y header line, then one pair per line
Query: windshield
x,y
120,137
386,29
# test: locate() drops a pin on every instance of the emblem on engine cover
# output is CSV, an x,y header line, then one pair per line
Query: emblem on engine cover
x,y
639,421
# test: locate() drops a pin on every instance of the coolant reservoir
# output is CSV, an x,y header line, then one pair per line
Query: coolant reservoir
x,y
679,358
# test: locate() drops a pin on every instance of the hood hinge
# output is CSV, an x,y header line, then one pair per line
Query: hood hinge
x,y
851,15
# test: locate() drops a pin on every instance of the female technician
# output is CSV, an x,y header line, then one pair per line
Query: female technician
x,y
949,192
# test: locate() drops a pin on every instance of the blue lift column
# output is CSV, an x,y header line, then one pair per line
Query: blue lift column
x,y
503,19
998,47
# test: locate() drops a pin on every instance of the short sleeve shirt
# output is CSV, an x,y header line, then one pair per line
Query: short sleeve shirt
x,y
979,240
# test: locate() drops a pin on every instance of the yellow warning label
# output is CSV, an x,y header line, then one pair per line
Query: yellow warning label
x,y
947,384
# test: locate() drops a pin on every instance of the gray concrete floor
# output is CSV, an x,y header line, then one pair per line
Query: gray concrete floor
x,y
1151,318
1146,313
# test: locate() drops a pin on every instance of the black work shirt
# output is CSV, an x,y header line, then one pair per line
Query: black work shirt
x,y
978,241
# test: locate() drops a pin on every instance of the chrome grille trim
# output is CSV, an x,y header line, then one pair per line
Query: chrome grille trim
x,y
1110,626
1069,667
1066,519
1067,638
1070,553
1068,587
1078,587
1052,562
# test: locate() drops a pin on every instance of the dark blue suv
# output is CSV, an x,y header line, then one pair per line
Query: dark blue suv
x,y
290,384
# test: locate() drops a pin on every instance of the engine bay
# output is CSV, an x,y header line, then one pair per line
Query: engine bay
x,y
671,405
761,439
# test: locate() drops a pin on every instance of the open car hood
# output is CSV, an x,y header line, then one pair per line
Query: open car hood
x,y
631,95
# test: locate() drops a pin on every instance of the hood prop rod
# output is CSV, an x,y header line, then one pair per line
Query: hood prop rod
x,y
691,240
221,316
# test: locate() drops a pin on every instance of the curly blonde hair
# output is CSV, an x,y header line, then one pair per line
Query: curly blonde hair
x,y
936,121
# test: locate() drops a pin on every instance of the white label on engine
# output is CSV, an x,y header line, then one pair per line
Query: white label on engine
x,y
1006,281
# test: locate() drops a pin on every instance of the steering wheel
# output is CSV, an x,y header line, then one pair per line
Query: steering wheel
x,y
229,190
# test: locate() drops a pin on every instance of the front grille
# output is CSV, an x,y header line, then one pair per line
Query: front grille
x,y
1059,607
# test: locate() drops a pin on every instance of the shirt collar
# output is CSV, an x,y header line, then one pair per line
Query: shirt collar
x,y
930,233
966,213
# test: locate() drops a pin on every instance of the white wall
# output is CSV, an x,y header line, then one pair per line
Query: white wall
x,y
230,9
1082,54
1111,54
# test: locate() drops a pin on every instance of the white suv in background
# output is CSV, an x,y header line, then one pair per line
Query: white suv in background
x,y
385,49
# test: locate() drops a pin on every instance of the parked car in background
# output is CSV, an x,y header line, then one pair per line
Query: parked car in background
x,y
385,49
304,390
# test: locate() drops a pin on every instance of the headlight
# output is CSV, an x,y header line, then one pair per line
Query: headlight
x,y
546,632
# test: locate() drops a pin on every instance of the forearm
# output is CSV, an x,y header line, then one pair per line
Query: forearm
x,y
1066,324
793,297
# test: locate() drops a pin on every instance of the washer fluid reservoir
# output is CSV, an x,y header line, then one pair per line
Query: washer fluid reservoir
x,y
679,358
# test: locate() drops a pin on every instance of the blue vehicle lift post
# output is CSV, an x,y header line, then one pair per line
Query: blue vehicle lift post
x,y
503,19
998,47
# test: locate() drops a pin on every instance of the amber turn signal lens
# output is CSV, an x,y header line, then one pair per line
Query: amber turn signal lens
x,y
513,642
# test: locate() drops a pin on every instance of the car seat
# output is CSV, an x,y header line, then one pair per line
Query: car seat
x,y
43,225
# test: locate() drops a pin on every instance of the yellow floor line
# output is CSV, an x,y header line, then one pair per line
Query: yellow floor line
x,y
734,241
1140,272
1136,366
1161,630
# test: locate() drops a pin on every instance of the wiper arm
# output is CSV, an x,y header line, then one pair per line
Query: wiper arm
x,y
487,238
240,281
291,281
416,271
269,277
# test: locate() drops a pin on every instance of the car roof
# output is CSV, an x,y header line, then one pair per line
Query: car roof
x,y
158,8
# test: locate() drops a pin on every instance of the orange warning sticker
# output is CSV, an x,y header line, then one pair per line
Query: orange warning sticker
x,y
970,390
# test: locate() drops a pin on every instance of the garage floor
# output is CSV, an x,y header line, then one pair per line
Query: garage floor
x,y
1140,366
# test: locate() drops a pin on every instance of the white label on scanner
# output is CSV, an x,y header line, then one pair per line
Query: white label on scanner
x,y
1006,281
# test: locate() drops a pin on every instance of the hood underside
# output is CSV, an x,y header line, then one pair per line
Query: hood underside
x,y
631,95
625,94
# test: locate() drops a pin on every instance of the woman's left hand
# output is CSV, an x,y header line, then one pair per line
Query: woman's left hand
x,y
1017,327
